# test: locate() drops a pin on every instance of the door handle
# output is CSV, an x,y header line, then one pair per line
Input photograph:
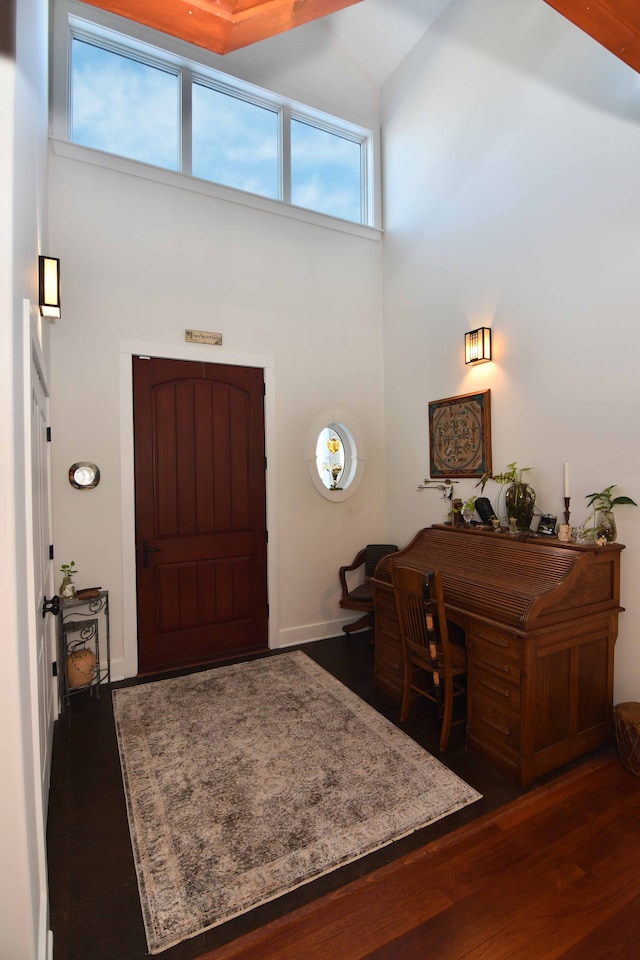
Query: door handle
x,y
51,606
146,550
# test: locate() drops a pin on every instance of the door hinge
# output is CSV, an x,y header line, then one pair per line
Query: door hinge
x,y
50,551
54,669
48,434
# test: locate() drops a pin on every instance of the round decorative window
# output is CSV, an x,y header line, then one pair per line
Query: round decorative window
x,y
336,464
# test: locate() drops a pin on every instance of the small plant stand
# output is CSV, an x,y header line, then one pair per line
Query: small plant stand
x,y
79,654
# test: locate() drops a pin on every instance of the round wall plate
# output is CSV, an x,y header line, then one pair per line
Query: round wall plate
x,y
84,475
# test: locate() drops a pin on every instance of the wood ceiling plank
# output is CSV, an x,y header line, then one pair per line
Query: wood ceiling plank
x,y
627,10
222,25
613,23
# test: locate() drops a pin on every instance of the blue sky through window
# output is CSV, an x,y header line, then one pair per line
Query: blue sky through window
x,y
124,106
234,142
131,107
325,171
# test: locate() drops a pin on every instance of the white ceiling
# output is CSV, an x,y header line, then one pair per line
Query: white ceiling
x,y
379,34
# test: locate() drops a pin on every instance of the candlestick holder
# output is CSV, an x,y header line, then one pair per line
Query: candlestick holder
x,y
567,501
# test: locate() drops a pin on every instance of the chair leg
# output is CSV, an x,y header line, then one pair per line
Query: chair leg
x,y
365,622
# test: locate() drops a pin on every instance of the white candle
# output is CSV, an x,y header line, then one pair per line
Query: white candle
x,y
566,479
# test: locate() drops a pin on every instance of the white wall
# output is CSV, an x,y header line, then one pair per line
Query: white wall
x,y
142,261
23,121
512,150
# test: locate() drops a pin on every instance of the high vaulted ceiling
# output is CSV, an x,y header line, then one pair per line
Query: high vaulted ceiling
x,y
223,25
226,25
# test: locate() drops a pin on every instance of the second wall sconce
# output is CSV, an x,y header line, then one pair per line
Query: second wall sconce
x,y
477,345
49,284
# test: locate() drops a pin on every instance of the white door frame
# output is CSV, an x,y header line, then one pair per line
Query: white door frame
x,y
203,354
43,710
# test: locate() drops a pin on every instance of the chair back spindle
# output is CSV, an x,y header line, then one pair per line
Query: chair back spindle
x,y
426,645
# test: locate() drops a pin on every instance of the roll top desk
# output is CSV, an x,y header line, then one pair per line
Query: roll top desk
x,y
540,619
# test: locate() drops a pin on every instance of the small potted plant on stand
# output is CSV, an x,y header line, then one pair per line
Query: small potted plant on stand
x,y
601,523
67,586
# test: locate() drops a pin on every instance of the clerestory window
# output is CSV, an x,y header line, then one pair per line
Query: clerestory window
x,y
127,99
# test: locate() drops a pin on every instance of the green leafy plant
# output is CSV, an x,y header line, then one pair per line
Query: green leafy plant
x,y
68,571
605,499
513,474
601,524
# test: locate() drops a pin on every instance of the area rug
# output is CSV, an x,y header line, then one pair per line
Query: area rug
x,y
246,781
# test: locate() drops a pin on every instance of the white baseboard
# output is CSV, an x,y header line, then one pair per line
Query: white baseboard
x,y
313,631
285,638
117,670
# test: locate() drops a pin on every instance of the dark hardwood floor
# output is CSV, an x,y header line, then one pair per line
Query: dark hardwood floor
x,y
553,875
470,885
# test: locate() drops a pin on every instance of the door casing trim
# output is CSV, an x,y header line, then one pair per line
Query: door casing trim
x,y
128,667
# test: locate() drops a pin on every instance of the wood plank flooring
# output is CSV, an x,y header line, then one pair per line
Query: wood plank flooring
x,y
553,875
553,872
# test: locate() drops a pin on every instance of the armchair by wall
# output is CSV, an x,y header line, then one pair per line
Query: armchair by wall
x,y
360,597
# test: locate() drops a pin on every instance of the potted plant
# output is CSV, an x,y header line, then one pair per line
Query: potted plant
x,y
67,586
601,521
469,509
520,498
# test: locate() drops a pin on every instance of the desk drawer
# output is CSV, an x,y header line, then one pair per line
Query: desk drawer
x,y
385,602
494,724
389,665
496,652
496,687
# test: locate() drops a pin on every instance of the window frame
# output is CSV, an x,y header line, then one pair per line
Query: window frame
x,y
140,43
144,57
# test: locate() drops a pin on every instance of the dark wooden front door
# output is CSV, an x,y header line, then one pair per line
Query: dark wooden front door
x,y
200,512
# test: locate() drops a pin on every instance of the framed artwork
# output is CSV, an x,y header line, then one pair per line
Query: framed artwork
x,y
460,436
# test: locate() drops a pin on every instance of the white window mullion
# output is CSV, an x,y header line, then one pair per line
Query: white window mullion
x,y
285,154
185,116
365,195
186,139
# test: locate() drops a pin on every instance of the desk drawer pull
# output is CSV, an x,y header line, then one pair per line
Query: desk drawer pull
x,y
503,667
505,731
498,641
503,691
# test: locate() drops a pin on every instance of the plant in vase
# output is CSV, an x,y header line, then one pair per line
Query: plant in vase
x,y
520,497
601,523
469,509
67,586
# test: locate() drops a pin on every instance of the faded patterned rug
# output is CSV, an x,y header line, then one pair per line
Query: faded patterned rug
x,y
246,781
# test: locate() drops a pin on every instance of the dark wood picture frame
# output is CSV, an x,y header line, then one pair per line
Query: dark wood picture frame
x,y
460,436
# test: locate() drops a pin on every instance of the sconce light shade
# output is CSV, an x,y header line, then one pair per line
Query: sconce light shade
x,y
477,345
49,295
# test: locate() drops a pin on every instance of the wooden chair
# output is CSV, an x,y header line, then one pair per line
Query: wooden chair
x,y
361,596
426,646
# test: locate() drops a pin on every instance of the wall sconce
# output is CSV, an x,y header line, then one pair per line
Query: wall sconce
x,y
49,294
477,345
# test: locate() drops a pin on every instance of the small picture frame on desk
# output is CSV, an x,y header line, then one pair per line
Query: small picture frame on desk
x,y
460,436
